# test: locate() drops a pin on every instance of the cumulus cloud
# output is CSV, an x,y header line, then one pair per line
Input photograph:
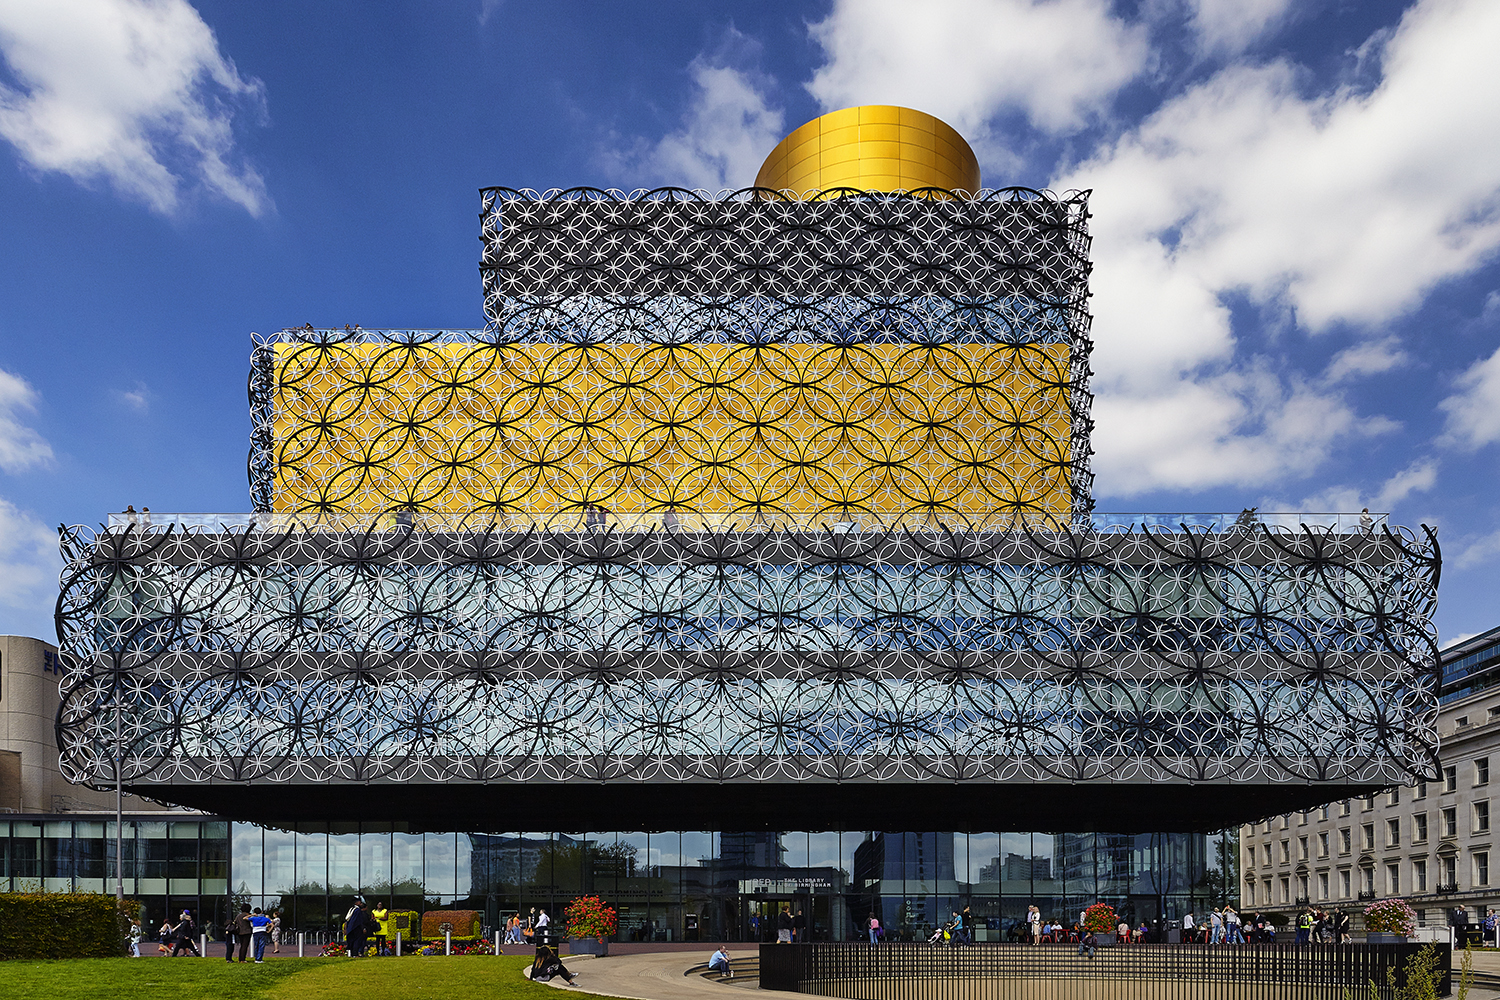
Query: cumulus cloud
x,y
729,126
21,447
29,567
1368,358
134,92
1474,410
1231,26
1418,477
1343,208
1055,61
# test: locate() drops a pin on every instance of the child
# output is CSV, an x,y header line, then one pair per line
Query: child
x,y
135,938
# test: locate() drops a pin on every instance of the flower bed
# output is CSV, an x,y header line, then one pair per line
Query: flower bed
x,y
1100,918
590,917
1390,916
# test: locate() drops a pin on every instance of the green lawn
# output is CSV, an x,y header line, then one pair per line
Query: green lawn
x,y
480,977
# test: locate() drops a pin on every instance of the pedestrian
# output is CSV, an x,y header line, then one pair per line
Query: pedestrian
x,y
1341,932
1187,928
1232,931
238,932
966,919
1216,926
135,938
382,915
276,931
784,925
357,930
260,926
720,962
185,932
1304,927
799,926
874,929
1034,920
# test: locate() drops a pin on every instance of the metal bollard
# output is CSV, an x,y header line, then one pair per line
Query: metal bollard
x,y
447,942
301,943
398,944
203,946
497,942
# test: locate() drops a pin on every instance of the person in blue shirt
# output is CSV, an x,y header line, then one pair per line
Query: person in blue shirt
x,y
260,926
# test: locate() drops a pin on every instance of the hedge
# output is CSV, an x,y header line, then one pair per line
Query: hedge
x,y
63,925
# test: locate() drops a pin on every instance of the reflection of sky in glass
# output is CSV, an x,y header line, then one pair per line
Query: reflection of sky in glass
x,y
245,850
440,858
823,850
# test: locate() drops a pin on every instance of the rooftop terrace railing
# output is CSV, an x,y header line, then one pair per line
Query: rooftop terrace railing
x,y
156,522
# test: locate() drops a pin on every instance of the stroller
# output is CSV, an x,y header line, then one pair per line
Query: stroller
x,y
943,935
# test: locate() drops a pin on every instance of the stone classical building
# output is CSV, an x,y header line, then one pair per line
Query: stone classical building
x,y
1430,843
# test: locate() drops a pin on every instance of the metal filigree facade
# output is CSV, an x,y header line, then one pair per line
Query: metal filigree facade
x,y
719,359
409,655
734,490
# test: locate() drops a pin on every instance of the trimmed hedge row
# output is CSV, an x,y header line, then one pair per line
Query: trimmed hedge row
x,y
63,925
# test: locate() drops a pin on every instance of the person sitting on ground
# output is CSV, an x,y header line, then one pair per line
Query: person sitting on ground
x,y
720,962
1087,944
548,965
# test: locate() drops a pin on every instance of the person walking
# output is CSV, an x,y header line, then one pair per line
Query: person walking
x,y
357,930
874,927
1187,928
799,927
185,932
135,938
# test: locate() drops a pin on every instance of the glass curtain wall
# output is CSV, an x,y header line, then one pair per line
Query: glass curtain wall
x,y
667,887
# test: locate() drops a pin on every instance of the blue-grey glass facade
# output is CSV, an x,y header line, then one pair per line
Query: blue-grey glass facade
x,y
668,887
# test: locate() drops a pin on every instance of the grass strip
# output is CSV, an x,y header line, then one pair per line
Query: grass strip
x,y
156,978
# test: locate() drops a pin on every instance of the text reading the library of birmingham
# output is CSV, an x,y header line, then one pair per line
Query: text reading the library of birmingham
x,y
732,489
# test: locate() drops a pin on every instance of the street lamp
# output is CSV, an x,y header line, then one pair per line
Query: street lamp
x,y
119,809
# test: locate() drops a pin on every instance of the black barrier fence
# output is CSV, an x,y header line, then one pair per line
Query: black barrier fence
x,y
1136,972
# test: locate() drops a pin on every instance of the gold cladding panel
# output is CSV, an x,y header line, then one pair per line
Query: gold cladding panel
x,y
708,429
875,147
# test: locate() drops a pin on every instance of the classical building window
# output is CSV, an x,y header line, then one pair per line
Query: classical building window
x,y
1344,892
1250,856
1419,875
1421,790
1302,850
1322,845
1393,879
1344,841
1369,802
1450,822
1482,771
1344,808
1301,886
1367,837
1418,828
1286,890
1481,868
1450,871
1286,851
1367,878
1395,797
1322,885
1393,833
1482,817
1450,778
1323,813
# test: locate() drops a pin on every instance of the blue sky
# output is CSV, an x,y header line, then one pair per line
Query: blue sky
x,y
1296,215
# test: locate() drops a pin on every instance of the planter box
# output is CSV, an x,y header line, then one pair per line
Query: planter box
x,y
1379,937
1105,939
588,946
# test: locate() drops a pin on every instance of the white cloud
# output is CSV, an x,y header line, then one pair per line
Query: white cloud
x,y
132,91
21,447
1418,477
1230,26
1339,208
729,127
29,567
1056,61
1479,552
137,399
1474,410
1369,358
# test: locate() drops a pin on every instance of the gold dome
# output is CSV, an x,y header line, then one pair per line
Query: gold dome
x,y
875,147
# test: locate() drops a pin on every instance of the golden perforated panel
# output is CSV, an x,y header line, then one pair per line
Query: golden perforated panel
x,y
873,148
704,429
